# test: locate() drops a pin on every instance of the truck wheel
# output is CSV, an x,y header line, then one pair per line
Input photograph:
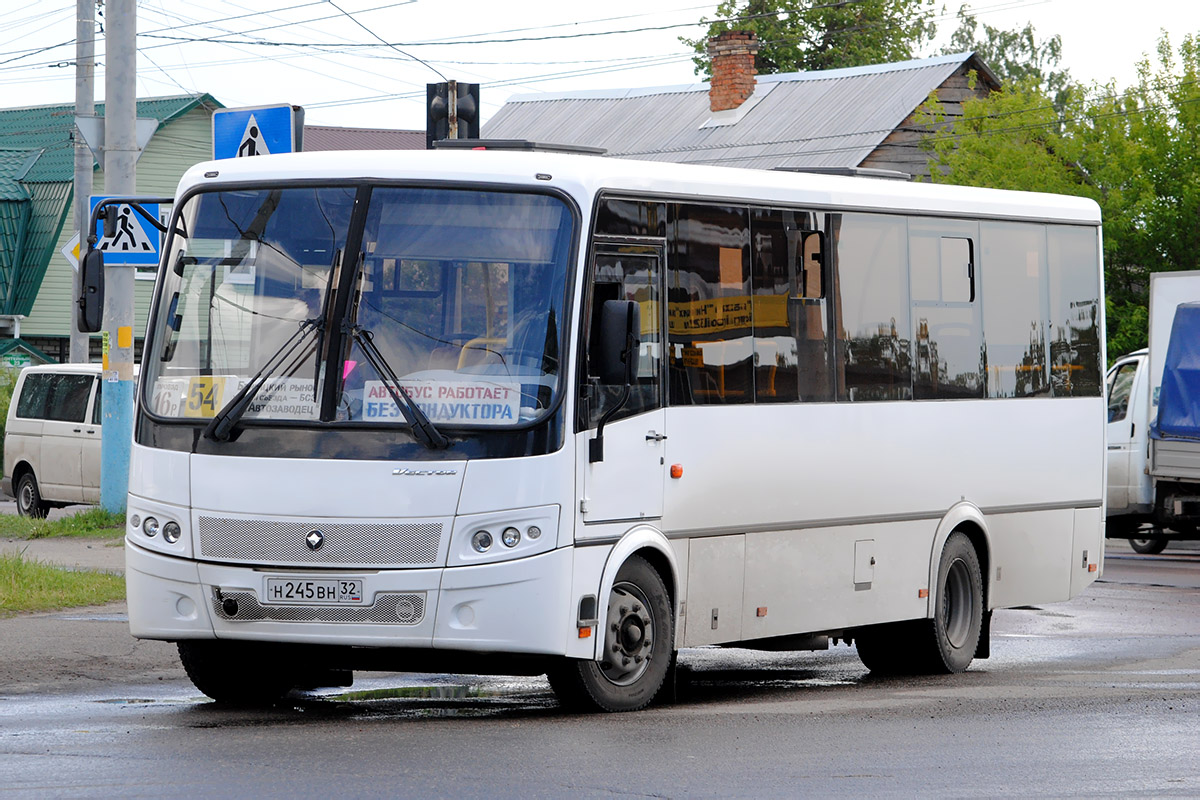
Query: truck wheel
x,y
236,673
1149,547
944,644
639,645
29,498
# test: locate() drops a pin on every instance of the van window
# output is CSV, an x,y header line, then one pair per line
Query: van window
x,y
97,407
35,391
62,398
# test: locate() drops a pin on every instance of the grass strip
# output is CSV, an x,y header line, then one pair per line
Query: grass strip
x,y
31,585
93,523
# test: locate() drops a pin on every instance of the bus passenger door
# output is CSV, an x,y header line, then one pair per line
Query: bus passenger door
x,y
627,484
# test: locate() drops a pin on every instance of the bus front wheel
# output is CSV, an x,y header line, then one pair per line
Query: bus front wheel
x,y
639,643
947,642
236,673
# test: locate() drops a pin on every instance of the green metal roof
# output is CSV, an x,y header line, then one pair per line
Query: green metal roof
x,y
52,129
37,173
20,345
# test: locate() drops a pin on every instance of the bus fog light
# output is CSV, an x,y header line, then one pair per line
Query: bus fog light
x,y
533,532
135,521
510,537
150,527
171,532
481,541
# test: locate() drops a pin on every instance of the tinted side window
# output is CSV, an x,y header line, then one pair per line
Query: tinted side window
x,y
709,316
616,217
1075,367
35,393
98,406
791,353
1013,268
870,296
945,308
69,398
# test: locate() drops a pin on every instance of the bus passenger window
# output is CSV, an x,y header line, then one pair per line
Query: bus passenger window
x,y
709,314
947,352
873,336
791,351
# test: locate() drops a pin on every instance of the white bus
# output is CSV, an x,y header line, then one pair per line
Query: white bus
x,y
533,412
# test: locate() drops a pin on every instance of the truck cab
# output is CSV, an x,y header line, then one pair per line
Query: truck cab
x,y
1130,489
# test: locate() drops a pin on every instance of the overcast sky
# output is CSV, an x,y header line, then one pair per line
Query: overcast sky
x,y
330,57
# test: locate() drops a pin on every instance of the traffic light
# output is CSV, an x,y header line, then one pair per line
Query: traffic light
x,y
451,111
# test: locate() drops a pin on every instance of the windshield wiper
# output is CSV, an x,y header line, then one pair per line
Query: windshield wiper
x,y
422,428
221,425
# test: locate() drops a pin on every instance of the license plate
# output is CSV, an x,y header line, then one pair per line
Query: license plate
x,y
306,590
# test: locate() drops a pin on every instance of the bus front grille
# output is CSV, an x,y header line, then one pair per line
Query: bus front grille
x,y
344,543
394,608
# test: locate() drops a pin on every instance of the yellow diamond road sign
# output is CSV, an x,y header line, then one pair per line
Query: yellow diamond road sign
x,y
70,251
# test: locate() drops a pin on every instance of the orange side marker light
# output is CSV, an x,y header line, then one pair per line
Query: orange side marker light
x,y
677,470
585,633
922,593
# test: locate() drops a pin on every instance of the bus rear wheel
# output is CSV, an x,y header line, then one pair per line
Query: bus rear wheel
x,y
236,673
639,643
947,642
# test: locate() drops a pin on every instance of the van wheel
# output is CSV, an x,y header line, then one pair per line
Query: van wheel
x,y
29,498
1149,547
237,673
639,646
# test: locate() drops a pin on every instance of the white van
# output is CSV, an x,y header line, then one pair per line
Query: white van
x,y
52,438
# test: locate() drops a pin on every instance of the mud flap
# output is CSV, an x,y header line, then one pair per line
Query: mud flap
x,y
984,648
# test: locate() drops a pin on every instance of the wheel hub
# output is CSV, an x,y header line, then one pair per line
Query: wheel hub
x,y
629,639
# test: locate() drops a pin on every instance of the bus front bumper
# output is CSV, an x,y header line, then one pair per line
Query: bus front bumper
x,y
518,606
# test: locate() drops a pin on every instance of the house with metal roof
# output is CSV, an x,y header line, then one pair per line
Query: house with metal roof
x,y
37,165
840,119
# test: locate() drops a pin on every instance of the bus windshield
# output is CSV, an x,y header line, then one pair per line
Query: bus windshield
x,y
457,294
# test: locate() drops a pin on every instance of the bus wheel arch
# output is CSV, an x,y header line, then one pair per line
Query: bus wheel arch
x,y
956,627
635,633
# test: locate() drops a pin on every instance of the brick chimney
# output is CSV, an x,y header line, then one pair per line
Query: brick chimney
x,y
732,54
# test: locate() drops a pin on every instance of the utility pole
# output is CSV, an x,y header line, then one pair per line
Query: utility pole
x,y
85,106
120,162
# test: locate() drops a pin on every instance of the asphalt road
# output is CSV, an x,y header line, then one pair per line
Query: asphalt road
x,y
1098,696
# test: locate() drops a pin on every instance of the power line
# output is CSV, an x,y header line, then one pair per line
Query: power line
x,y
380,38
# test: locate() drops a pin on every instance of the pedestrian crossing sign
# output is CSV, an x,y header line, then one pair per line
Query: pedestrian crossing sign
x,y
135,242
260,131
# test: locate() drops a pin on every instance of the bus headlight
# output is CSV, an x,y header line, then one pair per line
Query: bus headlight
x,y
481,541
171,532
150,527
510,537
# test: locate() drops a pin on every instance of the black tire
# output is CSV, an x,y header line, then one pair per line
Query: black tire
x,y
947,642
639,647
237,673
29,498
958,610
1149,547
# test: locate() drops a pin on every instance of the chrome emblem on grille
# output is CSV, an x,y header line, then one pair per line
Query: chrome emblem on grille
x,y
314,540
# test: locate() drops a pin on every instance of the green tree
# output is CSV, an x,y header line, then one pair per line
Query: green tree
x,y
1137,153
799,35
1016,56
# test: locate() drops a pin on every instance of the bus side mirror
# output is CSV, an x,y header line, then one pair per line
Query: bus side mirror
x,y
620,324
90,318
